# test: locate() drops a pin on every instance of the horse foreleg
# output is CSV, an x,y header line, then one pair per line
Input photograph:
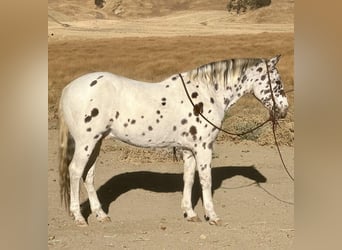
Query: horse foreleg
x,y
203,160
188,177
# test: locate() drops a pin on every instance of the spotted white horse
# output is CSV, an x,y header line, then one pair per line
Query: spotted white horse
x,y
101,104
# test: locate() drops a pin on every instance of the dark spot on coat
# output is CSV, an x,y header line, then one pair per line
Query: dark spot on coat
x,y
87,119
163,99
133,121
96,136
212,100
185,134
193,130
216,86
194,94
158,112
163,103
117,115
86,148
94,112
167,86
157,121
282,92
93,83
204,144
209,111
99,77
88,129
150,128
210,145
263,77
244,78
174,78
143,134
190,114
259,69
125,125
174,128
198,108
184,121
111,120
142,117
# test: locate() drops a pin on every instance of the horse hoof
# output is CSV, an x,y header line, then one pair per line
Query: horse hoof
x,y
194,219
81,223
216,222
105,219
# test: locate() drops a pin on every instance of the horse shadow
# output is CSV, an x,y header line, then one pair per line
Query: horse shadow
x,y
165,183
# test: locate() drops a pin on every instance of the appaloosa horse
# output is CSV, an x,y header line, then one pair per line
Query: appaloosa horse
x,y
102,104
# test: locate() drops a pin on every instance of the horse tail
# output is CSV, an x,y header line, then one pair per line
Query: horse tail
x,y
66,152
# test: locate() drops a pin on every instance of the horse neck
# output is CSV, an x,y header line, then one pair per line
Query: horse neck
x,y
234,90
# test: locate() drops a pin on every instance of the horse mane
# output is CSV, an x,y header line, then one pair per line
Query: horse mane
x,y
222,72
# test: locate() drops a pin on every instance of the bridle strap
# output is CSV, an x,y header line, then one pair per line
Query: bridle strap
x,y
212,124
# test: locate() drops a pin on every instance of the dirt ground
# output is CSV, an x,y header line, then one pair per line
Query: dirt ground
x,y
141,189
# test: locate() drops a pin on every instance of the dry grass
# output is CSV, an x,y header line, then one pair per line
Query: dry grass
x,y
153,59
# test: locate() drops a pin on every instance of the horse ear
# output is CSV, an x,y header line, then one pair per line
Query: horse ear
x,y
273,61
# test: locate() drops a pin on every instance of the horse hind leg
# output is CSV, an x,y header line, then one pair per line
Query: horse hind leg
x,y
76,168
82,163
88,177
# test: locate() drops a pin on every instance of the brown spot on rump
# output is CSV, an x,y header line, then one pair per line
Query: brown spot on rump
x,y
87,119
212,100
259,69
86,148
94,112
263,77
184,121
150,128
194,94
174,128
133,121
88,129
174,78
117,115
93,83
198,108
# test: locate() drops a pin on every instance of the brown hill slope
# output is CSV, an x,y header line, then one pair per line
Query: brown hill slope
x,y
280,11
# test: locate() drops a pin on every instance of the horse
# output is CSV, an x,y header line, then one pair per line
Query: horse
x,y
169,113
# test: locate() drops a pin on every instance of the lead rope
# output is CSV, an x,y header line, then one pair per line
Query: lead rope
x,y
272,118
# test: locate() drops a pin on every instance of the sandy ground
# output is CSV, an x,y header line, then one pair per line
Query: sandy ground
x,y
141,189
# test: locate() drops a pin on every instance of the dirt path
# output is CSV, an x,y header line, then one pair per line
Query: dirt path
x,y
141,190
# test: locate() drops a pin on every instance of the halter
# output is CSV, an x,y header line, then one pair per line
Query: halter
x,y
271,118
